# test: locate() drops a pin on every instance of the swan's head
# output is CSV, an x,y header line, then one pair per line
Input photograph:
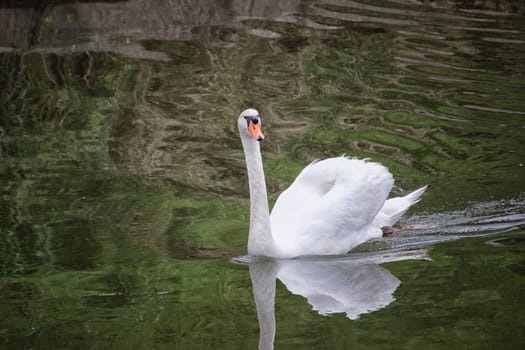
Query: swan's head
x,y
249,124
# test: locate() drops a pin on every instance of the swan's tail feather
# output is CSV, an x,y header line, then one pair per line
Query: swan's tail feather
x,y
415,196
394,208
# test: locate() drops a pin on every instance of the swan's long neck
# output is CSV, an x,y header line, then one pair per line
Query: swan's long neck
x,y
260,239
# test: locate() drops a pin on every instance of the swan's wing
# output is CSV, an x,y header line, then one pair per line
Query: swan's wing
x,y
330,206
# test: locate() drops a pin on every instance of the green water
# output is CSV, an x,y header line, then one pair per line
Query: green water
x,y
124,190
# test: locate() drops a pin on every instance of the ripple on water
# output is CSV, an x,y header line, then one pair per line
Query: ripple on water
x,y
480,219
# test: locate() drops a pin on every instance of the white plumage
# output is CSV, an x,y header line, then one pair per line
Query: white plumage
x,y
332,206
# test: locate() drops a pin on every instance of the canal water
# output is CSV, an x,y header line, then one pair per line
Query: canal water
x,y
124,204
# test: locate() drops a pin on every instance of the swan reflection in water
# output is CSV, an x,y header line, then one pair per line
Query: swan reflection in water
x,y
353,284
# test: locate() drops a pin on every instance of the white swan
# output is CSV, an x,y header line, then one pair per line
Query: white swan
x,y
332,206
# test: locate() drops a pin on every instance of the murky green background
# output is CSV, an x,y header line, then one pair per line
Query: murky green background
x,y
124,191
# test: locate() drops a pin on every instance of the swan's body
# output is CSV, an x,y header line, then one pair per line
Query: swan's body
x,y
332,206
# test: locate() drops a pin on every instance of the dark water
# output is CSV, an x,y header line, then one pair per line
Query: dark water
x,y
124,193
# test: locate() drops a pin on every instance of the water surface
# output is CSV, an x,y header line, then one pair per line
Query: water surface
x,y
124,192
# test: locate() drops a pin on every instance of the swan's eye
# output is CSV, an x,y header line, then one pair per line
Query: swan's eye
x,y
253,118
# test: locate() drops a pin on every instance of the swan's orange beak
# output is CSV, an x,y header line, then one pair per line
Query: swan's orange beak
x,y
255,131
